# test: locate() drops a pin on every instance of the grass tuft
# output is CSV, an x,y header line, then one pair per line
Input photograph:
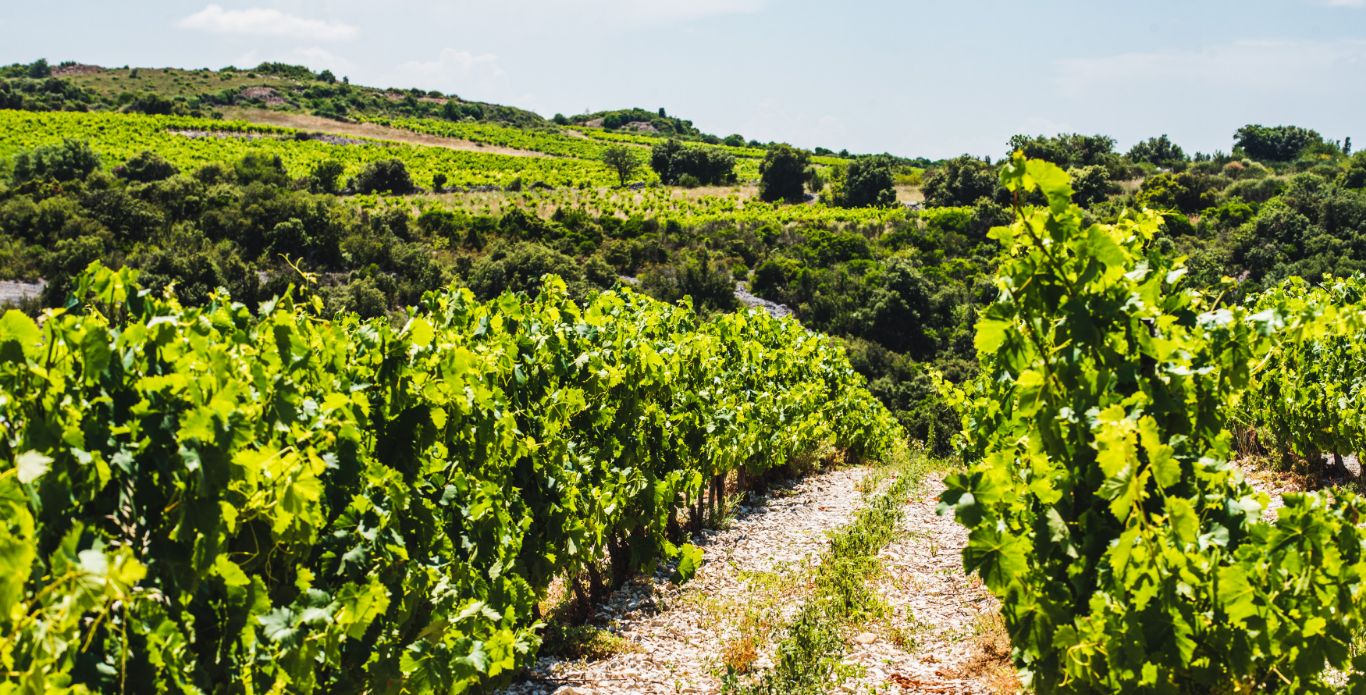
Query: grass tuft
x,y
808,657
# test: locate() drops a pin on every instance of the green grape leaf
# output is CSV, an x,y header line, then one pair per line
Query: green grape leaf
x,y
689,561
990,335
20,332
999,558
1236,594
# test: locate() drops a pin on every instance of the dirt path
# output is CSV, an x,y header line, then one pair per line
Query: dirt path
x,y
14,293
942,631
676,639
374,131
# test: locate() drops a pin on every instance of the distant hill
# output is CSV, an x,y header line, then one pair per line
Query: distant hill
x,y
172,91
249,93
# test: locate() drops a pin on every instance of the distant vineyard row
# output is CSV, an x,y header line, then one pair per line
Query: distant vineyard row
x,y
191,143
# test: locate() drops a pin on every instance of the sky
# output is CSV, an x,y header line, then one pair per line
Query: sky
x,y
910,77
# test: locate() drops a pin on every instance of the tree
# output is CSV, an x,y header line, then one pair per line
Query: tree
x,y
1091,185
39,69
665,160
324,177
145,167
960,181
383,176
263,168
782,175
869,182
1159,151
1282,143
1066,150
621,159
69,161
675,163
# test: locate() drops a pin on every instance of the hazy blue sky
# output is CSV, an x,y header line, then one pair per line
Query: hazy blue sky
x,y
906,76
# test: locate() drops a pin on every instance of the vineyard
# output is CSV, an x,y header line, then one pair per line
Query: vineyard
x,y
1103,511
195,142
313,387
287,501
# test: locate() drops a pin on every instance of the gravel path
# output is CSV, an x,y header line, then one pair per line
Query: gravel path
x,y
753,577
941,631
12,292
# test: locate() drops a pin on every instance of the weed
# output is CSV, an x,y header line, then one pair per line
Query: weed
x,y
808,657
583,642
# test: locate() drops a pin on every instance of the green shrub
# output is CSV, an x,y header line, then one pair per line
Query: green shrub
x,y
383,176
72,160
145,168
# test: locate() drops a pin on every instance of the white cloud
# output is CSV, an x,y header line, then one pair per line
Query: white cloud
x,y
1343,3
267,23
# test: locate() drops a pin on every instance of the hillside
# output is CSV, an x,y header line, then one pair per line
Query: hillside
x,y
308,386
173,91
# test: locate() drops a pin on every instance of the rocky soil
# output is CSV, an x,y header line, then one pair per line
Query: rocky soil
x,y
941,631
938,632
674,638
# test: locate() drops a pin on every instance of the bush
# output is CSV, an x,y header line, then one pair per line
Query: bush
x,y
869,182
782,175
260,168
145,168
151,104
384,176
1186,192
1092,185
325,177
1354,176
518,267
72,160
960,182
673,161
699,275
